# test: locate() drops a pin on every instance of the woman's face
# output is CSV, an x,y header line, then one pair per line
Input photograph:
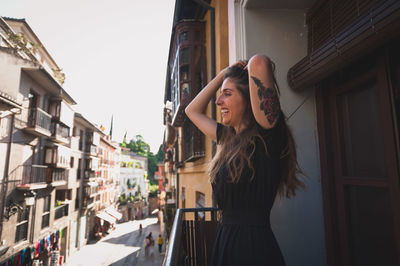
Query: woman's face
x,y
232,104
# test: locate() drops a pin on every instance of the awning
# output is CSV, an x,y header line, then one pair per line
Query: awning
x,y
113,212
106,217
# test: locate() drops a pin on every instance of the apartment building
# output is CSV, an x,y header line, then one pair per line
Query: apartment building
x,y
50,170
133,172
338,72
35,145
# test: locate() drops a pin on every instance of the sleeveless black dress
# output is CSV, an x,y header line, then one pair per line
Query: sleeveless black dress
x,y
244,235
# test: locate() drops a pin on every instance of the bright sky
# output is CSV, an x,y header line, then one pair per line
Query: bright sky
x,y
114,55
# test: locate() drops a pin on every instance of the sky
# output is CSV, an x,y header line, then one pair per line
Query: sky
x,y
114,55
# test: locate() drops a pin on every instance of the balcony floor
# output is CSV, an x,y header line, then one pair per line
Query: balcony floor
x,y
32,186
38,131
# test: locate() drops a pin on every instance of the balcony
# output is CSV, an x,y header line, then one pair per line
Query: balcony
x,y
60,133
39,123
61,112
57,176
91,149
91,189
89,174
192,237
61,211
187,68
58,156
92,164
88,203
33,176
92,138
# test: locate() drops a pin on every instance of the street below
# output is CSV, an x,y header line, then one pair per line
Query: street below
x,y
123,246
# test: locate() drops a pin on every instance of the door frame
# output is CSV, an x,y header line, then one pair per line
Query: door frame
x,y
336,246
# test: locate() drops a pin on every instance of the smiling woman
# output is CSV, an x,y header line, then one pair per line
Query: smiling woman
x,y
256,160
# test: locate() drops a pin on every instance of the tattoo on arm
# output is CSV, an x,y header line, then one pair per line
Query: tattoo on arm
x,y
269,101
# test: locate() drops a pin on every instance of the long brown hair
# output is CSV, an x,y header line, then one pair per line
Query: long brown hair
x,y
236,149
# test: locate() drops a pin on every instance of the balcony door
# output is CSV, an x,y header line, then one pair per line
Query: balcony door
x,y
360,165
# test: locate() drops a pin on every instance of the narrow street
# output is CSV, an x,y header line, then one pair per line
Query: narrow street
x,y
123,246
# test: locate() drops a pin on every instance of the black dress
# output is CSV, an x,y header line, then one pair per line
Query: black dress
x,y
244,235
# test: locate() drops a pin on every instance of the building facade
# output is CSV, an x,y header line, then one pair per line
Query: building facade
x,y
133,174
48,155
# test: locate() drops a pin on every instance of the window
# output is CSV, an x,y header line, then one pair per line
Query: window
x,y
187,67
193,142
183,197
78,171
77,199
81,140
200,202
71,162
22,225
46,211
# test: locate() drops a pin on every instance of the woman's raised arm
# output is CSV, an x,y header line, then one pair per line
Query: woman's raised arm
x,y
263,92
197,107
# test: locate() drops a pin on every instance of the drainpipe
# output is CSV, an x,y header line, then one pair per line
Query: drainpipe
x,y
4,187
213,64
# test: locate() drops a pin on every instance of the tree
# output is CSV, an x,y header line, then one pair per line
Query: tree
x,y
152,164
160,154
138,145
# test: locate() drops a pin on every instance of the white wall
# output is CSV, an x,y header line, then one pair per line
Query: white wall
x,y
298,223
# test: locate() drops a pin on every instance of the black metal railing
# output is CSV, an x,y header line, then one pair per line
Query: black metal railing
x,y
61,211
90,174
32,174
91,148
192,238
87,201
59,174
38,117
59,131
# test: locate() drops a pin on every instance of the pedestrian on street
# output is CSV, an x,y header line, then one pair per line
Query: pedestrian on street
x,y
149,245
255,161
160,242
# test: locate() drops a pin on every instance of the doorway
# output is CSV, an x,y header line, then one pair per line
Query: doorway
x,y
359,161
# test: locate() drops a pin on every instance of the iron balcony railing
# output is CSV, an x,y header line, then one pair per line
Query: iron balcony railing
x,y
91,148
60,131
58,174
38,117
32,174
192,237
61,211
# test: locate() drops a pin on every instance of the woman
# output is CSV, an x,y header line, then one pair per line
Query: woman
x,y
256,160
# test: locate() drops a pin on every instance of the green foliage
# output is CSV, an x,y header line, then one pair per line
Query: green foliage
x,y
153,182
122,199
160,154
138,145
152,164
128,183
59,75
